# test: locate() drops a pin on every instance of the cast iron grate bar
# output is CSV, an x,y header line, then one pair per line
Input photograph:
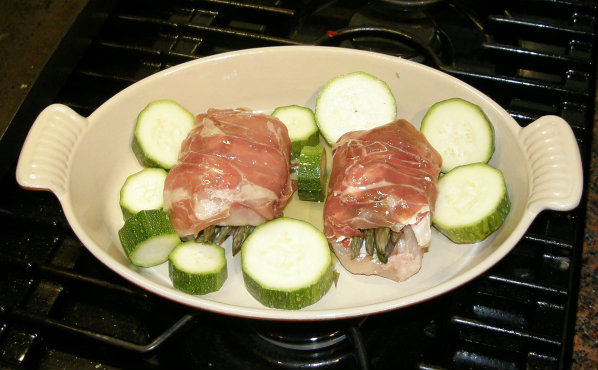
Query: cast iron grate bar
x,y
484,330
44,322
71,280
549,241
524,86
71,277
554,60
558,30
512,282
359,348
246,38
258,9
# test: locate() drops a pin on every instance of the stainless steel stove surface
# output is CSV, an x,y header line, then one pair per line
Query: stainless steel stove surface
x,y
62,309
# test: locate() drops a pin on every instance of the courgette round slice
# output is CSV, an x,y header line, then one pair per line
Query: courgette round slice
x,y
142,190
160,129
287,264
472,203
301,124
197,268
351,102
460,131
148,237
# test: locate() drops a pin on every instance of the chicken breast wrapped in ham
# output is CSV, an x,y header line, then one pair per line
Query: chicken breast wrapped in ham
x,y
233,169
381,196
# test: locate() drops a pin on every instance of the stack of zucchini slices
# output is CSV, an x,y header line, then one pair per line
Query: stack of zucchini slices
x,y
148,237
473,200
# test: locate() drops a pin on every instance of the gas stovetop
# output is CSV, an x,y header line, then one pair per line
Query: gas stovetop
x,y
61,308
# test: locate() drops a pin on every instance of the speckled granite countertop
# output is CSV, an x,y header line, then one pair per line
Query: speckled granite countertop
x,y
37,25
585,354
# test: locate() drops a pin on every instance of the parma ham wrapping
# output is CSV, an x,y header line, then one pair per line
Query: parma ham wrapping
x,y
233,169
382,178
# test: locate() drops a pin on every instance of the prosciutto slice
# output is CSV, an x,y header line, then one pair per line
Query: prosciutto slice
x,y
233,169
383,177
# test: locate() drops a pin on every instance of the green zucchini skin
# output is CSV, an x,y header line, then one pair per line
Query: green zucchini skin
x,y
311,174
202,281
467,219
301,124
148,237
482,229
293,299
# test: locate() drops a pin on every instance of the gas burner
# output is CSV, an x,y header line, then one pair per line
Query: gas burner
x,y
294,345
303,337
406,4
410,17
256,344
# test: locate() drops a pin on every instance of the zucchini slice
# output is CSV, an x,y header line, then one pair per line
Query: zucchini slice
x,y
160,129
311,174
301,124
351,102
142,190
197,267
472,203
460,131
148,237
287,264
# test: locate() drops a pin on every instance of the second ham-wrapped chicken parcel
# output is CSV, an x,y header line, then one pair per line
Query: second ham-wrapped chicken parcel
x,y
381,197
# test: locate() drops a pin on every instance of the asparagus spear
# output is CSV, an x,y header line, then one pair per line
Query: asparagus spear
x,y
223,233
208,234
239,235
356,243
389,248
385,242
370,245
382,236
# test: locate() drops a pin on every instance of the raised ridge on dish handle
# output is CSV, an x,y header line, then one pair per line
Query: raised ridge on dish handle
x,y
44,160
555,164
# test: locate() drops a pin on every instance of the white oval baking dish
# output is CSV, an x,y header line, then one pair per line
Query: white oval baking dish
x,y
84,161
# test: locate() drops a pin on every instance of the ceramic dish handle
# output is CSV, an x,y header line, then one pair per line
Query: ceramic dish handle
x,y
556,171
45,157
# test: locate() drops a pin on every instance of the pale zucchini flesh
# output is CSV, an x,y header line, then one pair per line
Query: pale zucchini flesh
x,y
160,129
472,203
142,190
301,125
197,268
287,264
351,102
460,131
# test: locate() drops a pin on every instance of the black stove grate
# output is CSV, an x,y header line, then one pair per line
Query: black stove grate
x,y
61,308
